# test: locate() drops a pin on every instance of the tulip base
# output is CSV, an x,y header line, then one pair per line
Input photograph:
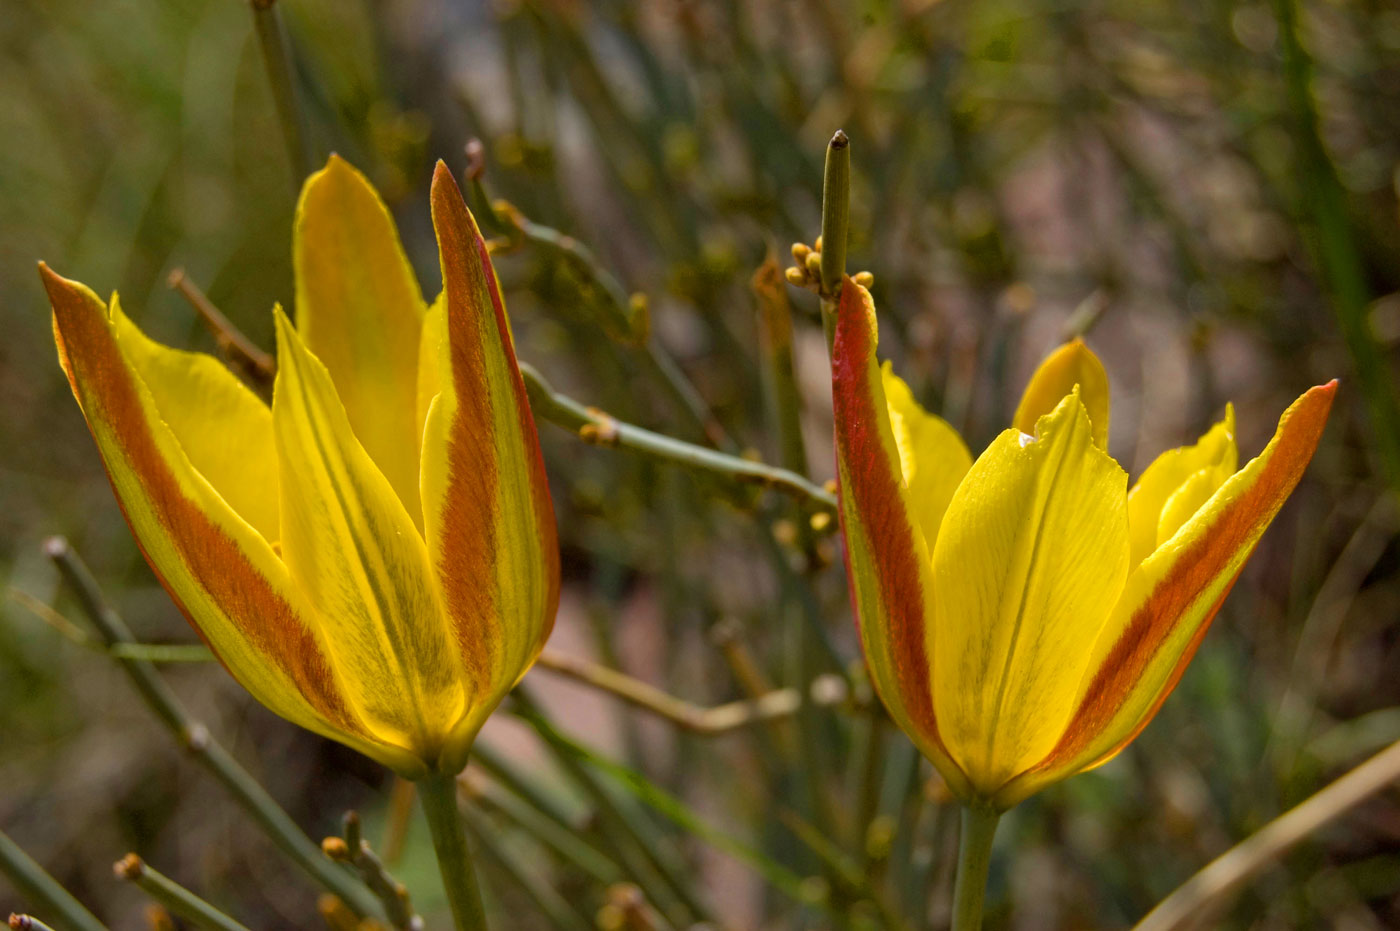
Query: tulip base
x,y
979,827
439,794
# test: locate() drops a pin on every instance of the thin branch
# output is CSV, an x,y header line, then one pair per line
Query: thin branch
x,y
42,890
174,896
601,429
27,923
1210,890
152,652
246,355
195,737
825,691
354,850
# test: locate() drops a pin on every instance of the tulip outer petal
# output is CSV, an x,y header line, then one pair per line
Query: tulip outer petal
x,y
887,558
487,509
353,549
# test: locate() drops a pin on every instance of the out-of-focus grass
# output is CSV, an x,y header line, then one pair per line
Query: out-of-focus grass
x,y
1012,161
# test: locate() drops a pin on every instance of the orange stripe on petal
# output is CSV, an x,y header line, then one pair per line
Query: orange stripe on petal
x,y
488,512
887,558
220,572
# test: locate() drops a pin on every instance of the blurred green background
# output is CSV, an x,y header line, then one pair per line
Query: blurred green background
x,y
1207,187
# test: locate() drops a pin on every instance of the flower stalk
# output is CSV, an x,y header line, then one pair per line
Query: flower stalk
x,y
979,827
439,794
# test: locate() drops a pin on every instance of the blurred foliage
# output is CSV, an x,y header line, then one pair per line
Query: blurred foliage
x,y
1216,200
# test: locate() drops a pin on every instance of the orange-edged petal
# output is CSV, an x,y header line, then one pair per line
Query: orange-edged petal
x,y
353,549
359,309
1072,364
221,572
224,429
1031,558
487,510
887,558
1171,598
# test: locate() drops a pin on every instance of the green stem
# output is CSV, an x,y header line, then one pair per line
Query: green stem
x,y
439,794
42,891
836,216
979,826
607,431
174,896
246,791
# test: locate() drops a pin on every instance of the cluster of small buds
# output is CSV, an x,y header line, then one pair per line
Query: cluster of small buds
x,y
806,270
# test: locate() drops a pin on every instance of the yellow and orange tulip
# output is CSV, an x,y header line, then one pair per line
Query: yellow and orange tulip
x,y
373,555
1025,615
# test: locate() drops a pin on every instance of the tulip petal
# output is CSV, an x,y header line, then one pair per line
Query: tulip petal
x,y
353,549
1032,555
887,558
221,572
1170,600
487,510
933,458
1214,452
359,310
223,427
1072,364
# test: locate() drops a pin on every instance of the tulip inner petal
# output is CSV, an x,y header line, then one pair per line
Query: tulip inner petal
x,y
359,309
1072,364
1030,560
353,549
224,429
932,457
1214,452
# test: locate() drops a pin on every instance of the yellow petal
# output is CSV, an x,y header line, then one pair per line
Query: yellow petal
x,y
221,572
487,510
1170,600
932,457
1214,453
359,309
223,428
1072,364
1032,555
354,551
887,559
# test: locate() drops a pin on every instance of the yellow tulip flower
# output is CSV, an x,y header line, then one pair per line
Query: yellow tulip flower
x,y
1025,615
373,555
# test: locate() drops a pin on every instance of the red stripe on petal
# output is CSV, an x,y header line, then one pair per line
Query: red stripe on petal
x,y
873,489
108,393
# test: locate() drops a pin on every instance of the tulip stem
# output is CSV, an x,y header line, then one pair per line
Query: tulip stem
x,y
439,794
979,826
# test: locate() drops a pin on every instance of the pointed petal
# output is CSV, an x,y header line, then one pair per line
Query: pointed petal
x,y
222,426
887,559
1169,601
487,510
222,574
353,549
1032,556
359,309
932,457
1072,364
1215,453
